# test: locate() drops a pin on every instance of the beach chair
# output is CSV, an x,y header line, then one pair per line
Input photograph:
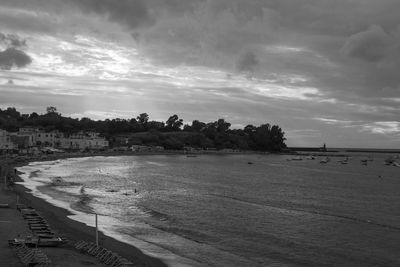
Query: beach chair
x,y
113,257
105,256
80,244
99,252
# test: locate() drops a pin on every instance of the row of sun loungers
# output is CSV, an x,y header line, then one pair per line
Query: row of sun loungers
x,y
32,256
104,255
43,234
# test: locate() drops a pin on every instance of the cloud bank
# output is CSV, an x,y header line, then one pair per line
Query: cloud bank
x,y
337,60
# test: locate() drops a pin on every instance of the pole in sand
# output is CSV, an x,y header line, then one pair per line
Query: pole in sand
x,y
97,231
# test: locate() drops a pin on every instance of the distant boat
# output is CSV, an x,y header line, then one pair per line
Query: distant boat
x,y
389,161
344,161
297,158
310,157
250,162
325,160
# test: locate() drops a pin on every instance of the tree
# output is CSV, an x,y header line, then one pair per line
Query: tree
x,y
33,115
52,110
197,126
142,119
222,126
174,123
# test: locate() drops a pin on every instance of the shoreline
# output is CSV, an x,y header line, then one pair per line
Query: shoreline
x,y
73,230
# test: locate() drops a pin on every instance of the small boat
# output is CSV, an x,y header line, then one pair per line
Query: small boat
x,y
325,160
297,158
250,163
310,157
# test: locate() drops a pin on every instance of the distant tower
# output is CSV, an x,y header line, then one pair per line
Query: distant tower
x,y
324,147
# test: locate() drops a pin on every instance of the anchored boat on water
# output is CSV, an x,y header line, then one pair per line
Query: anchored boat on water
x,y
325,160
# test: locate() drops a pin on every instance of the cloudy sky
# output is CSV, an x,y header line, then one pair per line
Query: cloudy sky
x,y
325,71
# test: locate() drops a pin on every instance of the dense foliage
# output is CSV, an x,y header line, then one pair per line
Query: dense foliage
x,y
171,134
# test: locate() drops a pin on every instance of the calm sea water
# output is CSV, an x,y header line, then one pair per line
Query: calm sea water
x,y
213,210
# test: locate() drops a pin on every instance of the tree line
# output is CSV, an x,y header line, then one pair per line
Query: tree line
x,y
172,134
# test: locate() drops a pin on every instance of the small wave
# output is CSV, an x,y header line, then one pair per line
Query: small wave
x,y
155,214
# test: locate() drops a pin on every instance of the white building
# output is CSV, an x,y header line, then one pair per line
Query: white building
x,y
49,139
29,138
5,141
28,134
84,140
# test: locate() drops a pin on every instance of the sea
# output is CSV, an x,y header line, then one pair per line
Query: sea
x,y
234,210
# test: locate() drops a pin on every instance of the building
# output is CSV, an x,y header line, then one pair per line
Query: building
x,y
25,137
5,141
49,139
28,138
83,140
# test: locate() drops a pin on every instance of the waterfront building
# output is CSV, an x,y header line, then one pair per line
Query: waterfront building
x,y
5,141
49,139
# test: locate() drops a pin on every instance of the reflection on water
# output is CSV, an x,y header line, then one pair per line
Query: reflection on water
x,y
221,211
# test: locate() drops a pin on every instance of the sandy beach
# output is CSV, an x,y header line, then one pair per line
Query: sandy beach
x,y
12,225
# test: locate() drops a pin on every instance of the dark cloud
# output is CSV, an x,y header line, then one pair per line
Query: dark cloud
x,y
12,57
131,13
247,62
369,45
12,40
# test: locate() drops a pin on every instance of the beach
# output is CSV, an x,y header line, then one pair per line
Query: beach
x,y
12,225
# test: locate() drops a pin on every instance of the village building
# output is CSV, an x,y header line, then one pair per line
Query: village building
x,y
49,139
28,139
84,140
5,141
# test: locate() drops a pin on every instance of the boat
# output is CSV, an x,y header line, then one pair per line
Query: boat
x,y
389,161
310,157
325,160
344,161
297,158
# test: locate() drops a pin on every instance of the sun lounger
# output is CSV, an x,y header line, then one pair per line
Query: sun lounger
x,y
104,255
31,257
4,206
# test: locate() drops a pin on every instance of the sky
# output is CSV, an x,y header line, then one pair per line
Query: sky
x,y
324,71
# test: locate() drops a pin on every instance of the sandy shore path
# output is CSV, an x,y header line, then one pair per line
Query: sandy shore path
x,y
12,225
